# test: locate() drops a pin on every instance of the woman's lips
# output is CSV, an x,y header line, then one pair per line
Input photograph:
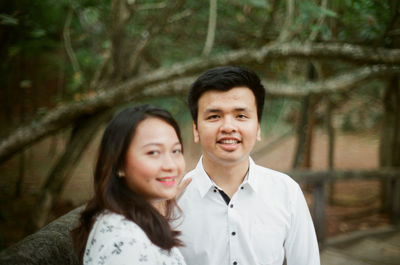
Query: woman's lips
x,y
167,181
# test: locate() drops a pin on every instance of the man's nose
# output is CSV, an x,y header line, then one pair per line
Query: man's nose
x,y
228,125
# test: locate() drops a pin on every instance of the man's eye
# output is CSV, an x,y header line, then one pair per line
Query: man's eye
x,y
212,117
242,116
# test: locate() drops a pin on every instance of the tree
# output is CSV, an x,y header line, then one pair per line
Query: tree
x,y
389,155
123,50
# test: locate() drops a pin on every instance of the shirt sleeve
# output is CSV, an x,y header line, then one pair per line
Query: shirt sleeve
x,y
301,245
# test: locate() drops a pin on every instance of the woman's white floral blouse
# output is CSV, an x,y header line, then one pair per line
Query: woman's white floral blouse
x,y
116,240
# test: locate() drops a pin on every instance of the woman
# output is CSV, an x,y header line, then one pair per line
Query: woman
x,y
139,166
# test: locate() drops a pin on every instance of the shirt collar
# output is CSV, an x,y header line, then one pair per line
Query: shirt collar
x,y
251,178
205,183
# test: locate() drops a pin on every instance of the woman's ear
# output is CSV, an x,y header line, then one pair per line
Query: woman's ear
x,y
121,173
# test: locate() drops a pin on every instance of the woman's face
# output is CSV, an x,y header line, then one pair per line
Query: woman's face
x,y
154,162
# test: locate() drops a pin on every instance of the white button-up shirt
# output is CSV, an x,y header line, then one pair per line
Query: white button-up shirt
x,y
266,221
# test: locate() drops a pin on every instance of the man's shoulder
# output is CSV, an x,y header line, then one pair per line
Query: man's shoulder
x,y
190,173
266,174
192,185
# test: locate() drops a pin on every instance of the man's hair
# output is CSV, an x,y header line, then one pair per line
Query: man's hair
x,y
224,78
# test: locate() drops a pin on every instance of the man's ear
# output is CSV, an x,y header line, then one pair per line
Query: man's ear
x,y
258,132
196,137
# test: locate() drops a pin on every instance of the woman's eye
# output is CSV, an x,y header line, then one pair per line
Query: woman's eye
x,y
153,152
177,151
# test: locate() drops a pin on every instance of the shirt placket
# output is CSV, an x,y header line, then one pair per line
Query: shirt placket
x,y
233,221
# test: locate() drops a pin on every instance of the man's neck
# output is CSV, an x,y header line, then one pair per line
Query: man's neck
x,y
227,176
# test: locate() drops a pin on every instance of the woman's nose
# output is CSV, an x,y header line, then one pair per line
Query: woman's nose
x,y
168,162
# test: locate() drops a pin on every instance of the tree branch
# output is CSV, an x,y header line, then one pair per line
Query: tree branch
x,y
120,14
286,33
67,43
62,116
315,31
336,84
154,29
212,25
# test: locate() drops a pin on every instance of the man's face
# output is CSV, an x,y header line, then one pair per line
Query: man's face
x,y
227,125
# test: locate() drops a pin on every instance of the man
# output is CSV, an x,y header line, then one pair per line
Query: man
x,y
234,211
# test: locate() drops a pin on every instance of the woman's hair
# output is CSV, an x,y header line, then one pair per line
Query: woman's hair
x,y
110,191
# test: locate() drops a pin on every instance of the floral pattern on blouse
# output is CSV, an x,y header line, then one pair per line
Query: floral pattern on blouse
x,y
116,240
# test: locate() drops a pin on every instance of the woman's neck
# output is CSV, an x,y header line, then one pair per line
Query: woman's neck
x,y
160,206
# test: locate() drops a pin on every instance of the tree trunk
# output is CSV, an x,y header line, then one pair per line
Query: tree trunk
x,y
310,133
389,153
305,133
331,146
21,174
302,134
84,131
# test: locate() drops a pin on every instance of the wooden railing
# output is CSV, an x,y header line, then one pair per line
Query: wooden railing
x,y
320,179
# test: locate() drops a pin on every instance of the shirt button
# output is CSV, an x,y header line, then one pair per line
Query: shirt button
x,y
235,263
231,205
215,190
233,233
241,187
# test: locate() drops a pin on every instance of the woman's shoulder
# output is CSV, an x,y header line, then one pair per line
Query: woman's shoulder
x,y
114,238
113,223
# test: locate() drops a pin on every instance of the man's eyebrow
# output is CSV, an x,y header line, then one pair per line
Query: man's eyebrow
x,y
212,110
215,110
241,109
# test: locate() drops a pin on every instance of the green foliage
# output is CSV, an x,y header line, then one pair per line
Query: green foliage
x,y
27,27
176,105
256,3
276,115
309,14
8,20
363,19
35,29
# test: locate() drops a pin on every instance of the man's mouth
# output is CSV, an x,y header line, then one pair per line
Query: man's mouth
x,y
229,144
228,141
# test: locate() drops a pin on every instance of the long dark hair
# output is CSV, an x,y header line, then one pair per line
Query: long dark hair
x,y
110,191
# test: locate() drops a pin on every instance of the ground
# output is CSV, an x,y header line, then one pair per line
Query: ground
x,y
355,203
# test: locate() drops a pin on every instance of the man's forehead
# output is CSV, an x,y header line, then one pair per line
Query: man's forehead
x,y
219,92
212,109
241,97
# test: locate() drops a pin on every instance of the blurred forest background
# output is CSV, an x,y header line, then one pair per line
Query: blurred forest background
x,y
331,70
